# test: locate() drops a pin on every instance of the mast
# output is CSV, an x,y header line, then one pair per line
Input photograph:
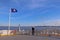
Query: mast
x,y
19,28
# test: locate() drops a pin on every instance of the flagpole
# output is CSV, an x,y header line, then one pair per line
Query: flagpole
x,y
9,21
11,10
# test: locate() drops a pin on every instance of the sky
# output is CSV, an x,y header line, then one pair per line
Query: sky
x,y
30,12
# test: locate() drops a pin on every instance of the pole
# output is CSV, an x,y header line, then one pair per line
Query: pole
x,y
19,27
9,21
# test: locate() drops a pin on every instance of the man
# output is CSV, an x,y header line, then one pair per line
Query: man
x,y
33,30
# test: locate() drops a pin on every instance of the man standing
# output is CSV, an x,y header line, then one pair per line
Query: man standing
x,y
33,30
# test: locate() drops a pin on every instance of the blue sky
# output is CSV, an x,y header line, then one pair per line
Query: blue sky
x,y
30,12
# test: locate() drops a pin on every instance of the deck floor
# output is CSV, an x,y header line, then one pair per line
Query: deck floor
x,y
27,37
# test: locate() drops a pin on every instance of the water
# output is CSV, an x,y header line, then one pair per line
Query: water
x,y
29,28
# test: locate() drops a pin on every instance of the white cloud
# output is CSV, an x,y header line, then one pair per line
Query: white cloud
x,y
16,2
21,17
32,4
37,4
3,10
51,23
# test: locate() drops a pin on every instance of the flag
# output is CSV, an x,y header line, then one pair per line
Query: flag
x,y
13,10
